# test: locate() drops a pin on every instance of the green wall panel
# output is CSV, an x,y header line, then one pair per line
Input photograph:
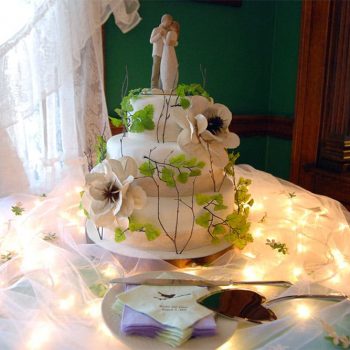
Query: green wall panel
x,y
250,151
278,157
284,60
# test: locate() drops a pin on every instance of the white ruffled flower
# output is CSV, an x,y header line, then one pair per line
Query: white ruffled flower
x,y
111,196
206,132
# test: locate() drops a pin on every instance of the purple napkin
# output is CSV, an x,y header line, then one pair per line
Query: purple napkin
x,y
136,323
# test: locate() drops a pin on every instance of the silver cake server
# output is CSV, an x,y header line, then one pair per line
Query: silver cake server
x,y
137,280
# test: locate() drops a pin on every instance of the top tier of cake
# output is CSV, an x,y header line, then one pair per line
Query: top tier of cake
x,y
168,115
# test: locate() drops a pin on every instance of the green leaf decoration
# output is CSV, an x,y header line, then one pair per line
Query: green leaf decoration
x,y
235,227
202,199
245,182
229,168
125,109
189,163
185,103
200,164
142,120
49,236
242,195
203,220
101,149
6,257
195,172
182,177
86,213
218,198
119,235
126,105
280,247
147,168
218,207
219,230
134,225
17,209
191,90
151,232
238,243
235,220
116,121
178,160
99,289
167,175
215,240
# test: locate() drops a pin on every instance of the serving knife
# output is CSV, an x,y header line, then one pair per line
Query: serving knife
x,y
137,280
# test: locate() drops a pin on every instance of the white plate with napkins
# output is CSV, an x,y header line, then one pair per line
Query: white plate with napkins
x,y
225,327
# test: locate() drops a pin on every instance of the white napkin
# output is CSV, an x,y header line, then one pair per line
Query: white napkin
x,y
173,306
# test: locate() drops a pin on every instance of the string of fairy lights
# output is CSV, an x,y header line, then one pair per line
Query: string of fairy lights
x,y
28,249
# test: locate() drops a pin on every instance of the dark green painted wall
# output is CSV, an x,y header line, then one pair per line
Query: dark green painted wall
x,y
250,55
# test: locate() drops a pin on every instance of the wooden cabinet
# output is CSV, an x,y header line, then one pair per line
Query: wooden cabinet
x,y
321,135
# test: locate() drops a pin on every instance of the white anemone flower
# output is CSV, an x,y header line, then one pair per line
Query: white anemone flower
x,y
110,195
207,135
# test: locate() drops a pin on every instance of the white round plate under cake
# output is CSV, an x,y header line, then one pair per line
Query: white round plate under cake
x,y
225,326
134,252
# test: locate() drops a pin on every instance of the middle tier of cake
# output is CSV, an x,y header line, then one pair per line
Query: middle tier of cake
x,y
142,150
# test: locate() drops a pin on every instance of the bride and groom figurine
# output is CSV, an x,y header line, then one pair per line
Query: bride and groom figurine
x,y
165,71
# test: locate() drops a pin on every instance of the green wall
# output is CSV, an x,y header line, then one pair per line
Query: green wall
x,y
250,55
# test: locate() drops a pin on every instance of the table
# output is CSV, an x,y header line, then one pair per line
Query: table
x,y
52,282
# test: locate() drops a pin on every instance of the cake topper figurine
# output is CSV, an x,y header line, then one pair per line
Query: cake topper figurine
x,y
165,66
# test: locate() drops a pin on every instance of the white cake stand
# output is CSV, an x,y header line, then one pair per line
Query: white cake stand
x,y
126,250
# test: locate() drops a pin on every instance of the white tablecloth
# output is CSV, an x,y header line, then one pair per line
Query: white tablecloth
x,y
52,282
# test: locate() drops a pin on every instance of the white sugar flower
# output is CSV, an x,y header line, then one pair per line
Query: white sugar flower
x,y
206,133
111,196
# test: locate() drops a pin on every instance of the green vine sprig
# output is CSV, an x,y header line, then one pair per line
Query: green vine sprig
x,y
280,247
150,230
101,149
49,236
178,169
134,122
234,228
6,257
18,209
184,90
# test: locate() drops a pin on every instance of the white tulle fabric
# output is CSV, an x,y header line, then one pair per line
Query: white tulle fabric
x,y
49,289
52,102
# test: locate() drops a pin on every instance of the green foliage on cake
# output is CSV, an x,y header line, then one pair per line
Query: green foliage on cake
x,y
234,228
134,122
101,149
184,90
152,232
177,169
142,120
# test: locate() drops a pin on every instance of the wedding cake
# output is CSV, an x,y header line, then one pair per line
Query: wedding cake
x,y
167,183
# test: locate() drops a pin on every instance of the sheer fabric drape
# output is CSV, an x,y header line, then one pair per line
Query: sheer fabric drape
x,y
52,102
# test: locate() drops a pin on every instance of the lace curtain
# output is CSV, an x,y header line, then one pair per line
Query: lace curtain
x,y
52,102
